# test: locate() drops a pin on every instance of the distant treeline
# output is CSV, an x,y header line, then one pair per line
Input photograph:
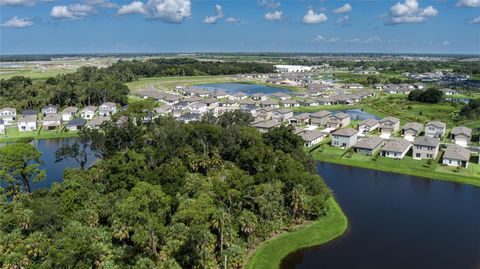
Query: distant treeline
x,y
93,86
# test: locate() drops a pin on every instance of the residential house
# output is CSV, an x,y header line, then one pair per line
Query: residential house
x,y
189,117
8,115
282,114
259,97
265,126
412,130
219,94
457,156
395,149
339,120
107,109
164,109
461,135
210,102
198,108
369,146
289,103
303,118
320,118
425,147
447,91
312,137
50,109
389,126
435,129
344,138
265,113
238,96
152,94
2,126
309,102
171,99
51,121
27,123
282,96
367,126
97,122
76,124
88,112
270,103
69,113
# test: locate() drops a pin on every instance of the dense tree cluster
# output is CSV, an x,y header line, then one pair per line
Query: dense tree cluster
x,y
471,110
165,195
189,67
431,96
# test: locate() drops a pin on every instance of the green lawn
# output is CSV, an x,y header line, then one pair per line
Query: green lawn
x,y
311,109
12,134
169,83
34,74
270,253
408,165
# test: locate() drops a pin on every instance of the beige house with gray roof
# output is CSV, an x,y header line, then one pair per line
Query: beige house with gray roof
x,y
320,118
367,126
456,156
265,126
369,146
425,147
395,149
435,129
312,137
282,114
344,138
389,126
412,130
461,135
338,120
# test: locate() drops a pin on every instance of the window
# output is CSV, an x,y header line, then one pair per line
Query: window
x,y
418,155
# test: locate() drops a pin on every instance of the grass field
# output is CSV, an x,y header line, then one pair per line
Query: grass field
x,y
169,83
408,165
12,134
270,253
33,73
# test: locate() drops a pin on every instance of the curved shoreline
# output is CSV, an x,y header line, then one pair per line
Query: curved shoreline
x,y
270,253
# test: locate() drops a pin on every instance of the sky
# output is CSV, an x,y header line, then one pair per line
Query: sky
x,y
155,26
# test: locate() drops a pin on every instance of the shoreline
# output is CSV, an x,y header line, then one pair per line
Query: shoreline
x,y
433,175
270,253
42,136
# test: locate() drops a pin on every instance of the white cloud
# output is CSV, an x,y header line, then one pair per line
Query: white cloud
x,y
342,20
343,9
213,19
370,40
475,20
322,39
135,7
468,3
17,22
233,20
410,12
268,4
274,16
17,2
173,11
313,18
101,3
446,43
71,12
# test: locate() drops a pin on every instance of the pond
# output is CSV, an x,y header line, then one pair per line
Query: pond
x,y
248,89
398,221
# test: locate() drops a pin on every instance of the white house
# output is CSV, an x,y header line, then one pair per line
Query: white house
x,y
27,123
435,129
388,126
50,109
312,137
2,126
282,114
461,135
69,113
367,126
456,156
8,115
88,112
198,108
107,109
395,149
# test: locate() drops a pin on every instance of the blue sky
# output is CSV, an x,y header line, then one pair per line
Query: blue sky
x,y
91,26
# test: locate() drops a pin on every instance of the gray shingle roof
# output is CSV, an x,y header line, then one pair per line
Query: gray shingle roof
x,y
462,130
398,145
369,122
438,124
341,115
390,119
417,127
346,132
311,135
321,114
369,143
426,141
456,152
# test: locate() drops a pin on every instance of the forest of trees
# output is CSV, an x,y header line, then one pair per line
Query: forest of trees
x,y
94,86
431,96
162,195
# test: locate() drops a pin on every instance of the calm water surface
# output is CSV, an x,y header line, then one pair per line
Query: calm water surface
x,y
398,221
245,88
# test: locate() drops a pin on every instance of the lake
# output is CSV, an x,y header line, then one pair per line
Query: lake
x,y
248,89
398,221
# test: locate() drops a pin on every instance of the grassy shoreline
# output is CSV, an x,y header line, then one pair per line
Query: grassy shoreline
x,y
407,166
269,254
14,135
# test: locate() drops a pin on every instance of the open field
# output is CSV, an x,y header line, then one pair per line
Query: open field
x,y
12,134
270,253
34,74
408,165
169,83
